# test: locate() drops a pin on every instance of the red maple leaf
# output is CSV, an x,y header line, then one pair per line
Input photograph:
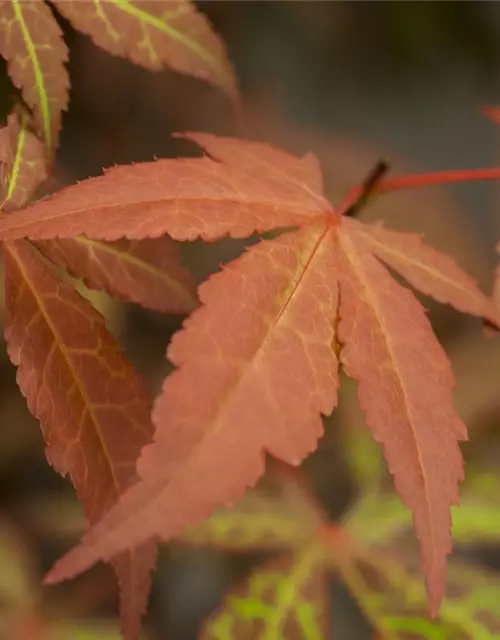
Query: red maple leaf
x,y
257,363
93,408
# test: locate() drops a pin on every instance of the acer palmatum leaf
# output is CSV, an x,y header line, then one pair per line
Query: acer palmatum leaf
x,y
32,43
148,272
261,521
259,190
274,352
426,269
405,387
92,406
287,597
256,363
155,35
22,162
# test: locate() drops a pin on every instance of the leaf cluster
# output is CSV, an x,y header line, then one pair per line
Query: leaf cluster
x,y
258,358
371,550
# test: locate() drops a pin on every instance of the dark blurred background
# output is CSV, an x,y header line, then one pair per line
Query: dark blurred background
x,y
353,82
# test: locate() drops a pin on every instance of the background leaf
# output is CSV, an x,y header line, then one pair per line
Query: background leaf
x,y
155,34
388,587
32,43
284,599
22,156
147,272
92,406
270,517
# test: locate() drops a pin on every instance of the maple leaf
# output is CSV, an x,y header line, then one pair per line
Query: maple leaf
x,y
147,272
154,35
256,189
371,554
32,43
92,406
286,598
257,363
22,165
387,586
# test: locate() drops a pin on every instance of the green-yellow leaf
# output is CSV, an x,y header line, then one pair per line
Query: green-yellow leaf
x,y
32,43
22,161
155,35
282,600
390,592
263,520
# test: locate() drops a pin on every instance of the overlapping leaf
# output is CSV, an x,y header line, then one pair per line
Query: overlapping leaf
x,y
92,406
256,363
147,271
74,380
285,599
256,189
22,162
154,35
31,42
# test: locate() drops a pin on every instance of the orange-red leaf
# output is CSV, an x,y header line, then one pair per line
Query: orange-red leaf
x,y
92,406
147,272
261,189
22,159
155,35
32,43
405,388
257,370
426,269
256,363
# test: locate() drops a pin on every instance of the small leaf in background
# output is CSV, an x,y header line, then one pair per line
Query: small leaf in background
x,y
84,630
262,520
92,406
285,598
22,158
17,578
32,43
364,457
147,272
387,586
155,35
477,519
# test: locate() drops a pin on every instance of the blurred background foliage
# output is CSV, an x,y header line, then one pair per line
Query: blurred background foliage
x,y
353,82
